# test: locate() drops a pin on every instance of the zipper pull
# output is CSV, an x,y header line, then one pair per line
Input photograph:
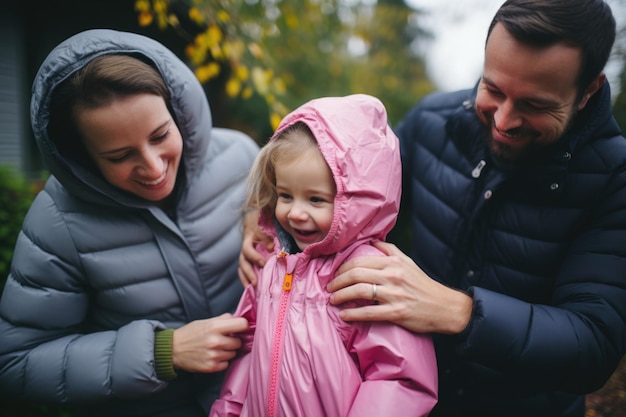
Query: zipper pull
x,y
476,171
287,282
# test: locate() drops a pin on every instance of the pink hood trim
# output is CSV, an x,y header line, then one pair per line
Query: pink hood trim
x,y
353,135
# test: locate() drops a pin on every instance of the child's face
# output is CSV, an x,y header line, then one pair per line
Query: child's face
x,y
135,144
306,192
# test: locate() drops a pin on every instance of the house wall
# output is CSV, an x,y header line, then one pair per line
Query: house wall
x,y
28,31
12,97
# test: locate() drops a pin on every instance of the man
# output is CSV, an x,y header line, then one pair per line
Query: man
x,y
517,198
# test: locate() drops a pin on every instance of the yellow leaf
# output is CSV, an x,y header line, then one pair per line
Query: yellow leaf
x,y
275,120
206,72
233,49
233,87
260,80
172,19
223,16
242,72
217,52
247,93
279,86
162,19
145,18
195,15
195,54
292,20
213,35
160,6
142,5
199,41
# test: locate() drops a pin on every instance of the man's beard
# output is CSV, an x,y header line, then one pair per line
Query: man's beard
x,y
506,153
511,155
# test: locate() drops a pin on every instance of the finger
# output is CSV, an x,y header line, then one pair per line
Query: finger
x,y
267,241
218,367
245,271
372,312
387,248
218,360
242,277
357,270
229,344
363,262
359,291
231,325
250,255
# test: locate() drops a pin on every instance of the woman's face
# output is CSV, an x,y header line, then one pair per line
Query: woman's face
x,y
135,144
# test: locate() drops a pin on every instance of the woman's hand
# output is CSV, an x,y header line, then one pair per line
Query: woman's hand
x,y
249,256
405,294
207,345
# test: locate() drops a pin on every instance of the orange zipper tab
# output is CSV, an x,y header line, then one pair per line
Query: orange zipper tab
x,y
287,282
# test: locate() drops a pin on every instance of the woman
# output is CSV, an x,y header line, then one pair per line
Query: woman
x,y
126,268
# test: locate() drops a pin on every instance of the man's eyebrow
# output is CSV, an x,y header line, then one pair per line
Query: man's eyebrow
x,y
538,100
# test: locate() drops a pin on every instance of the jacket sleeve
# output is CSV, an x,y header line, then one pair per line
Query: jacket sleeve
x,y
45,354
398,368
575,341
235,387
399,371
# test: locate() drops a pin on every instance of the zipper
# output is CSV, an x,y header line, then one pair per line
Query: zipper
x,y
478,169
278,338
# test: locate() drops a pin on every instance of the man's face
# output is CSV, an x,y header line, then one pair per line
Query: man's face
x,y
527,95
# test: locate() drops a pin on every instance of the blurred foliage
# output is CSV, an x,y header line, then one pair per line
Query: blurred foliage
x,y
16,196
288,52
610,400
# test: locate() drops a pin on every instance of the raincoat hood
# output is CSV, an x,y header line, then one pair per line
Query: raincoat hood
x,y
362,152
188,101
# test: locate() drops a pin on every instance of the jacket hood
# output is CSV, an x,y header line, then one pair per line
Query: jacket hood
x,y
188,101
362,152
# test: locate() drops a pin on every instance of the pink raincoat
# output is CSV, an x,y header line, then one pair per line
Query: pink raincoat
x,y
304,360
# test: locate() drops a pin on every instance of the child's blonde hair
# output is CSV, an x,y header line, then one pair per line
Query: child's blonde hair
x,y
289,144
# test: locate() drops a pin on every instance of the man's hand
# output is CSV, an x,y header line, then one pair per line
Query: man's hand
x,y
405,294
249,256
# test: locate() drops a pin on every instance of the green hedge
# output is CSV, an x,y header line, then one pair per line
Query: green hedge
x,y
16,196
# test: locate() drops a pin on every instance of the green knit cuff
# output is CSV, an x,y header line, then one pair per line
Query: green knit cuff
x,y
163,361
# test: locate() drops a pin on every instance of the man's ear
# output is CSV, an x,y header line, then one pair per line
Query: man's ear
x,y
591,90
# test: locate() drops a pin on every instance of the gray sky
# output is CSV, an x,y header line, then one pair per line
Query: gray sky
x,y
454,58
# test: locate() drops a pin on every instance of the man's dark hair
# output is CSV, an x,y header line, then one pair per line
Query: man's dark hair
x,y
587,24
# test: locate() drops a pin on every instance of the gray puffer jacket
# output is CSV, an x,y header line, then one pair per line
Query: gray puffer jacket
x,y
96,270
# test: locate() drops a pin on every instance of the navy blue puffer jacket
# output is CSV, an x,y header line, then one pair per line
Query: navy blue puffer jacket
x,y
542,249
